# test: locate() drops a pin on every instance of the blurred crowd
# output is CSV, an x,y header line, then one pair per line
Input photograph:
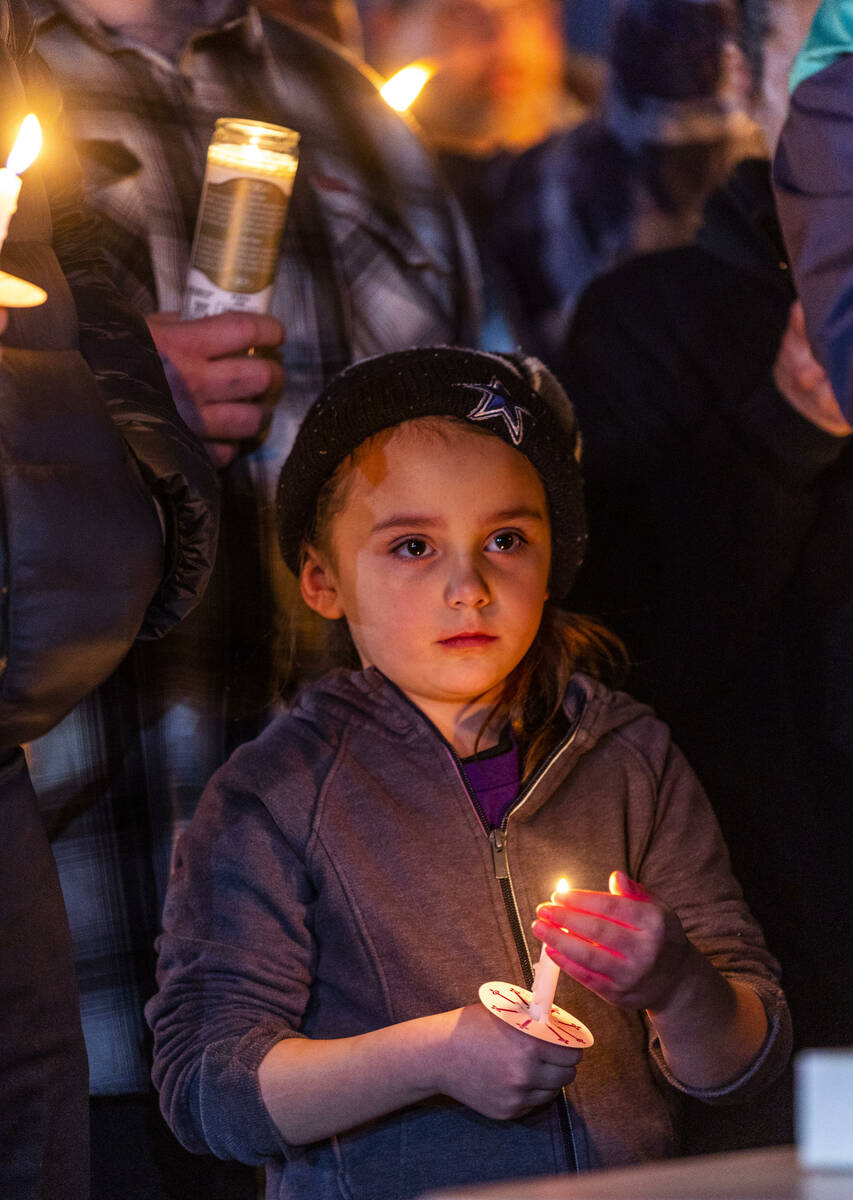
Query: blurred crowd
x,y
597,192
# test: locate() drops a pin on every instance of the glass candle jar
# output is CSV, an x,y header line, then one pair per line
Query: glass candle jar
x,y
248,180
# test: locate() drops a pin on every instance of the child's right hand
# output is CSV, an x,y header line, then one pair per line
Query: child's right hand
x,y
466,1053
495,1069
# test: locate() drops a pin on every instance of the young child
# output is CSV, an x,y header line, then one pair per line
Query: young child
x,y
354,875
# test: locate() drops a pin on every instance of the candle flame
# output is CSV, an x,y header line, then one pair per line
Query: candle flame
x,y
562,887
27,145
402,89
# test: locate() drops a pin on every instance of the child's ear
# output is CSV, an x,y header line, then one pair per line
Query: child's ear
x,y
318,586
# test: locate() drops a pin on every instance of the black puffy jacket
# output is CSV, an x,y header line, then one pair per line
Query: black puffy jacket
x,y
88,435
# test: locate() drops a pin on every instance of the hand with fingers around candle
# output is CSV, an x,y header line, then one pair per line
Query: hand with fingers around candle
x,y
213,373
630,949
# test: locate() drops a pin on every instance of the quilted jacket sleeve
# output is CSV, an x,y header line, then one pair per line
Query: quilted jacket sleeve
x,y
114,340
88,436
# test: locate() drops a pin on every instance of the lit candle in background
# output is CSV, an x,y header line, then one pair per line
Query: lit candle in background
x,y
547,972
403,89
23,154
247,185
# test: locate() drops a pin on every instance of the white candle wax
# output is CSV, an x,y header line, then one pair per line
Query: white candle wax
x,y
545,977
546,973
10,189
23,153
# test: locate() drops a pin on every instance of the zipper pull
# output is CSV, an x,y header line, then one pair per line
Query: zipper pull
x,y
497,842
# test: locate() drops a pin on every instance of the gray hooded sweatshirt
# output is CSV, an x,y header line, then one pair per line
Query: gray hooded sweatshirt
x,y
338,877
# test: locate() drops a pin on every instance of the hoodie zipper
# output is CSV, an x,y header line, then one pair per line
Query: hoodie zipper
x,y
500,863
498,839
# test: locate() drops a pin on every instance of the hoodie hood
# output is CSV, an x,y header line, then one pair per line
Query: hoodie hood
x,y
367,698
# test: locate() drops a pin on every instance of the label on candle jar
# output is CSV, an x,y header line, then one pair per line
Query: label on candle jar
x,y
236,246
239,230
243,208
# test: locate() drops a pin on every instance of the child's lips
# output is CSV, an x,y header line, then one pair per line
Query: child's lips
x,y
467,641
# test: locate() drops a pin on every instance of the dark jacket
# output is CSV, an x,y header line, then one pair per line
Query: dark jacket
x,y
92,447
699,474
720,548
291,912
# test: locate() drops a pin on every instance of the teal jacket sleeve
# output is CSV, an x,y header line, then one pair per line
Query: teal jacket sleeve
x,y
830,36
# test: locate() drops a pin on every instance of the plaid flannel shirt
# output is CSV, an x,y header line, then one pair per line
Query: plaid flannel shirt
x,y
545,254
548,244
374,258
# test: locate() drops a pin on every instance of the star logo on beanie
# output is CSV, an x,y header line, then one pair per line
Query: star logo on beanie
x,y
494,403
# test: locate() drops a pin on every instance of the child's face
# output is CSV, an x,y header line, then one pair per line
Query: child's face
x,y
440,561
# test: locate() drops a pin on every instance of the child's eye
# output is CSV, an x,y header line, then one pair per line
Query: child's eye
x,y
506,540
411,548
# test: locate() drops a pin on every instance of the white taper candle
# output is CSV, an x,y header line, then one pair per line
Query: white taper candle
x,y
546,973
26,147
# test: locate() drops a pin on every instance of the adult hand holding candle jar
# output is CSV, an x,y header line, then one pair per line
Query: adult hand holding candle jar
x,y
212,375
213,349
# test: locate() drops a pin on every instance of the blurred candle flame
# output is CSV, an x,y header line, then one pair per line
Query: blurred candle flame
x,y
402,89
27,145
562,887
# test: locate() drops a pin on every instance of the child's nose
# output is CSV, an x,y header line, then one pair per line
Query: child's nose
x,y
467,587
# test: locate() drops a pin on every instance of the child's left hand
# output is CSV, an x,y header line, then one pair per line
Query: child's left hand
x,y
624,945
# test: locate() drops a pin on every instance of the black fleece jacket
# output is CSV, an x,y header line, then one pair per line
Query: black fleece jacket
x,y
720,545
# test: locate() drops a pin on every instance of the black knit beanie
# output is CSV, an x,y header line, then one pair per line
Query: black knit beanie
x,y
510,395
